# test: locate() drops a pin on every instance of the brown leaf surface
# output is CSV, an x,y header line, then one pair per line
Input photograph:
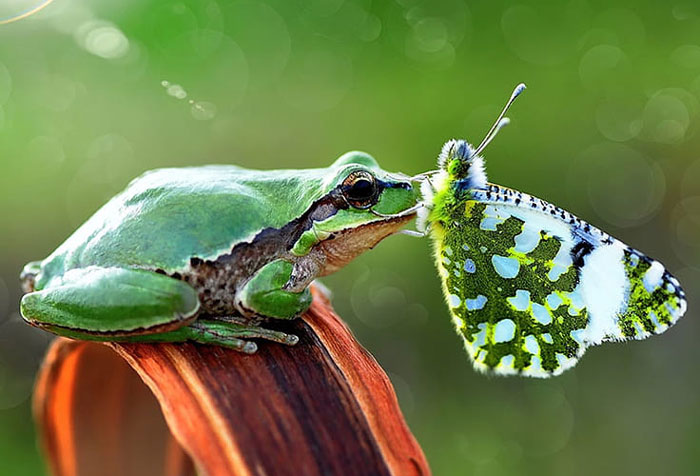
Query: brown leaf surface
x,y
322,407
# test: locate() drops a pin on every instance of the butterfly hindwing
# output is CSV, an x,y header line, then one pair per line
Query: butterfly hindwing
x,y
530,286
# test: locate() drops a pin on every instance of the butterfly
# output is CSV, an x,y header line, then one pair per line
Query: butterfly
x,y
529,285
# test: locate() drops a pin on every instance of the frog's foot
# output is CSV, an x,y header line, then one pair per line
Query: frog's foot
x,y
228,333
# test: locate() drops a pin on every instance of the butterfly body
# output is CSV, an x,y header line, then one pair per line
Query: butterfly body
x,y
529,285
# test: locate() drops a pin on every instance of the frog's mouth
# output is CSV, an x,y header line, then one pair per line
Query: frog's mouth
x,y
343,246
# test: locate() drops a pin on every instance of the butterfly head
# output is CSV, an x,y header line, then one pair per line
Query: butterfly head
x,y
460,167
459,160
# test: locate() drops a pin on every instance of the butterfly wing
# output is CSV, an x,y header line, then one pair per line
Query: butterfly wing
x,y
530,285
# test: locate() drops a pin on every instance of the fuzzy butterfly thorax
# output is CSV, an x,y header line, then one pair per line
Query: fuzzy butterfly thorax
x,y
529,285
463,166
459,170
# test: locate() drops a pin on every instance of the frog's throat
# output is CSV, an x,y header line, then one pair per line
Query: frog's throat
x,y
343,246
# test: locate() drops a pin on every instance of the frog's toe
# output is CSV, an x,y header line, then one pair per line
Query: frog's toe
x,y
249,347
291,339
240,345
274,336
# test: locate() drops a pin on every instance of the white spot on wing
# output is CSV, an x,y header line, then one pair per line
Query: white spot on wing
x,y
531,345
469,266
505,266
641,333
561,261
507,361
564,363
652,277
578,335
528,239
655,320
554,301
603,289
541,313
476,303
535,368
492,216
521,300
454,300
505,366
480,337
479,341
504,330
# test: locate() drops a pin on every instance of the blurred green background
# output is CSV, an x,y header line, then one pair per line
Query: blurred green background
x,y
92,93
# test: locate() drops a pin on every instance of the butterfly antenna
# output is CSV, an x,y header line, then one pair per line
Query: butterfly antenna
x,y
501,121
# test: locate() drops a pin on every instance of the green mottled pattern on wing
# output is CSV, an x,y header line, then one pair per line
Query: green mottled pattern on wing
x,y
466,242
649,311
530,286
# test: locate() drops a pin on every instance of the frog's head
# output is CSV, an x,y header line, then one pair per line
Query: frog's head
x,y
362,205
369,191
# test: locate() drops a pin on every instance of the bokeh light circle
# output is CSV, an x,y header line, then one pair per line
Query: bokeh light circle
x,y
619,119
599,67
623,185
686,223
203,110
691,179
429,32
667,115
316,79
687,56
532,35
108,160
102,38
624,27
267,46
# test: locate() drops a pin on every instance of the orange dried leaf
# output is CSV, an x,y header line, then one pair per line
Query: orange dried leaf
x,y
321,407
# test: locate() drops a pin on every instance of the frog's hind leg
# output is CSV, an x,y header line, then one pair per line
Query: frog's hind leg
x,y
134,305
111,304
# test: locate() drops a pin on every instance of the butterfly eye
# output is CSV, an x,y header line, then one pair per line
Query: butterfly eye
x,y
360,189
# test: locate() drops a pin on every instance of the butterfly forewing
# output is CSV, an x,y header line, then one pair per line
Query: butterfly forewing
x,y
530,286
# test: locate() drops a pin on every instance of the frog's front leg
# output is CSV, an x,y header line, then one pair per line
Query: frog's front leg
x,y
268,293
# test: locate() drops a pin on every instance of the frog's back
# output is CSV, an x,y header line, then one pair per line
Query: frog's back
x,y
167,216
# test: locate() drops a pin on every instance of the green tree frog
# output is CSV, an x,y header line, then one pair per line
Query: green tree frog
x,y
208,254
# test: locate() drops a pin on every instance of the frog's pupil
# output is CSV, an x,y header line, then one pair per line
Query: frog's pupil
x,y
362,189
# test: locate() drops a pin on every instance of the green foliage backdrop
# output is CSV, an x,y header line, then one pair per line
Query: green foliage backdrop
x,y
92,93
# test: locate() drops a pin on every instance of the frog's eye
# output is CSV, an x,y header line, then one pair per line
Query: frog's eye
x,y
360,189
